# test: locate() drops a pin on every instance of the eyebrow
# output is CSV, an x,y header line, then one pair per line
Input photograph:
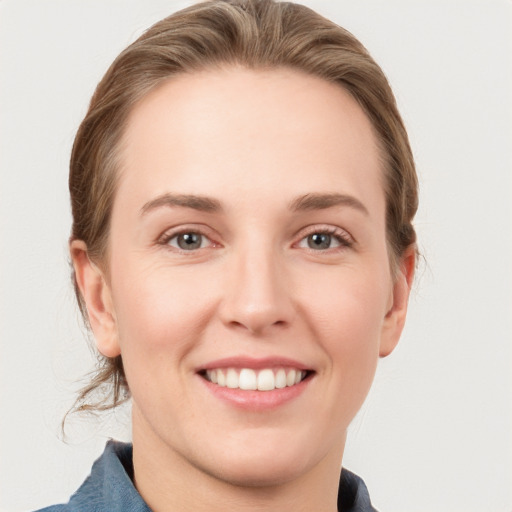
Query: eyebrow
x,y
315,201
201,203
307,202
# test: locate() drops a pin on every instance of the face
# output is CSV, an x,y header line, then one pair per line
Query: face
x,y
249,289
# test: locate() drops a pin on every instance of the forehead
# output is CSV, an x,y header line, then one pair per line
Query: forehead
x,y
233,129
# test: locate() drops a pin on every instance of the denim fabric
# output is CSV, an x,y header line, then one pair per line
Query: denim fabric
x,y
109,487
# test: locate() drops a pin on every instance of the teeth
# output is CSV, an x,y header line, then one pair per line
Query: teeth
x,y
280,379
248,379
266,380
232,379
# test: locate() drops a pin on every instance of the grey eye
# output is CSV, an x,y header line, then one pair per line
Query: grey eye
x,y
187,241
319,241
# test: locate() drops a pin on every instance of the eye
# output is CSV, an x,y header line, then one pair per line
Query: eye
x,y
320,241
325,239
188,241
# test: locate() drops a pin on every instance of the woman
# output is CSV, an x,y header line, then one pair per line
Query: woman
x,y
243,191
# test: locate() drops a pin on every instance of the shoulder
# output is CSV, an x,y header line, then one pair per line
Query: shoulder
x,y
353,494
55,508
109,487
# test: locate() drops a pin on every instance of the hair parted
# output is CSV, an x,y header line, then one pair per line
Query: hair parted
x,y
256,34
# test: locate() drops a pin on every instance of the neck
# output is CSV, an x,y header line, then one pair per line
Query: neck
x,y
168,481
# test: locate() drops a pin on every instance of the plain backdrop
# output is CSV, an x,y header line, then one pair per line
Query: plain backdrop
x,y
436,431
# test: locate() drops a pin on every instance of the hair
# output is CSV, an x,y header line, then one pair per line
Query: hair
x,y
256,34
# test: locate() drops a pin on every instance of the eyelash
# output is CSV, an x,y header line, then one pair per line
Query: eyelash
x,y
166,238
342,237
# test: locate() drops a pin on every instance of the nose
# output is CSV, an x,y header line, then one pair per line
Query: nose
x,y
258,295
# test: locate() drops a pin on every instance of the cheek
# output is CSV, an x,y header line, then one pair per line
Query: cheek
x,y
349,304
160,319
158,311
347,314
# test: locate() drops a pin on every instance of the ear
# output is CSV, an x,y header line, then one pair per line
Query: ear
x,y
394,320
98,300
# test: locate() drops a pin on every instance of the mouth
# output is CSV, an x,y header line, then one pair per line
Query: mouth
x,y
249,379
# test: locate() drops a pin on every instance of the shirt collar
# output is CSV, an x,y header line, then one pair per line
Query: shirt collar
x,y
109,487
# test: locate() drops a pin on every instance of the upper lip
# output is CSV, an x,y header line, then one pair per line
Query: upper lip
x,y
254,363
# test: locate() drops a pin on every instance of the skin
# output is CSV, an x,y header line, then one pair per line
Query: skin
x,y
255,142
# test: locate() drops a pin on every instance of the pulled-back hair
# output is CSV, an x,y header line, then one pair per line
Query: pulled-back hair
x,y
257,34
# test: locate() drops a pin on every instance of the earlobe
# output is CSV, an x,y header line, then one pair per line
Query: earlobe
x,y
394,320
98,300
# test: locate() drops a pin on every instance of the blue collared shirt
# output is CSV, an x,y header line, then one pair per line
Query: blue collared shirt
x,y
109,487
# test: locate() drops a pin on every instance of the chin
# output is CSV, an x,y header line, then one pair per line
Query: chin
x,y
258,473
262,466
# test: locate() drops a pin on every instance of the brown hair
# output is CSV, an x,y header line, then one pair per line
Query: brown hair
x,y
254,34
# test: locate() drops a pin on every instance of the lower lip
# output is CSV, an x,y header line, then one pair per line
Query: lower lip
x,y
257,400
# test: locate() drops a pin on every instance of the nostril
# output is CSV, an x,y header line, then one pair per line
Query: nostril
x,y
257,298
257,324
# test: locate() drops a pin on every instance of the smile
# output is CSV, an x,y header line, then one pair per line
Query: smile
x,y
265,379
